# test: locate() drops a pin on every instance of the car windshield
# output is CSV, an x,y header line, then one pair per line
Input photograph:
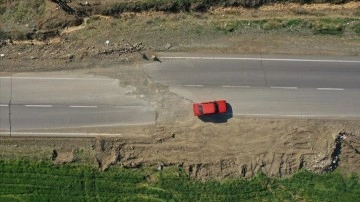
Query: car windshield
x,y
216,106
201,109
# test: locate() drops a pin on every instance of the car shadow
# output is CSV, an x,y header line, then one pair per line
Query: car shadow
x,y
218,118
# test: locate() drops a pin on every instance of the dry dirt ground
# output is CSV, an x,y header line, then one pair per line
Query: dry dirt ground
x,y
240,147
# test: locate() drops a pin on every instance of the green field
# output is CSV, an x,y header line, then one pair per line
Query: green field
x,y
42,181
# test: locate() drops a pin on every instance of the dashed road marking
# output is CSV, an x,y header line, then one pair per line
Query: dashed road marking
x,y
59,134
231,86
53,78
38,106
329,89
193,85
75,106
283,115
4,105
281,87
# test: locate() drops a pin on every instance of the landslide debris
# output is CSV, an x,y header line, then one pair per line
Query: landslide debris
x,y
238,148
164,150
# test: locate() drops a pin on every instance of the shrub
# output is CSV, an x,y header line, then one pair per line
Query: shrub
x,y
329,29
328,26
294,23
272,24
356,29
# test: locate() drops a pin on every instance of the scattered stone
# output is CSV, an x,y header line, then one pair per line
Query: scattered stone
x,y
9,41
160,140
54,155
145,57
2,55
167,46
173,135
138,47
180,166
70,56
160,166
154,58
133,165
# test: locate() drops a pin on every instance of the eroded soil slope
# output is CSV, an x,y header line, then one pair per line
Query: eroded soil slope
x,y
241,147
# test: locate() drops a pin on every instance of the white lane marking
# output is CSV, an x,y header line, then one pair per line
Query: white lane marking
x,y
265,59
54,78
280,87
4,105
283,115
38,106
58,134
190,85
230,86
75,106
329,89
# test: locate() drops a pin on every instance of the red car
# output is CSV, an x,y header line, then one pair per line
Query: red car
x,y
212,107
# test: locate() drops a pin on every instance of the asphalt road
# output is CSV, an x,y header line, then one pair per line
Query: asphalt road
x,y
33,101
253,85
267,86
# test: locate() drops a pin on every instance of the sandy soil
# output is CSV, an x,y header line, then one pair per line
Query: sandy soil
x,y
240,147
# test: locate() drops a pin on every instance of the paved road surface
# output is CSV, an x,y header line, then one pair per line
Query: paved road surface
x,y
253,85
32,101
267,86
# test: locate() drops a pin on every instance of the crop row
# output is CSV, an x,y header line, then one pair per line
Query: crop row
x,y
81,183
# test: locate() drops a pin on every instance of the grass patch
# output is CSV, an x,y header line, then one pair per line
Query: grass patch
x,y
42,181
324,26
356,29
294,23
15,14
230,26
328,29
272,24
328,26
21,10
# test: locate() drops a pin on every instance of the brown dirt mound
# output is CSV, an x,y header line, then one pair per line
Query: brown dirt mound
x,y
62,157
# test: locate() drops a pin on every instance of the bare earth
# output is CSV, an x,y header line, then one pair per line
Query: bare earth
x,y
240,147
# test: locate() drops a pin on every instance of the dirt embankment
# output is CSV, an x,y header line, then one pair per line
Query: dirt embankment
x,y
57,39
239,148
